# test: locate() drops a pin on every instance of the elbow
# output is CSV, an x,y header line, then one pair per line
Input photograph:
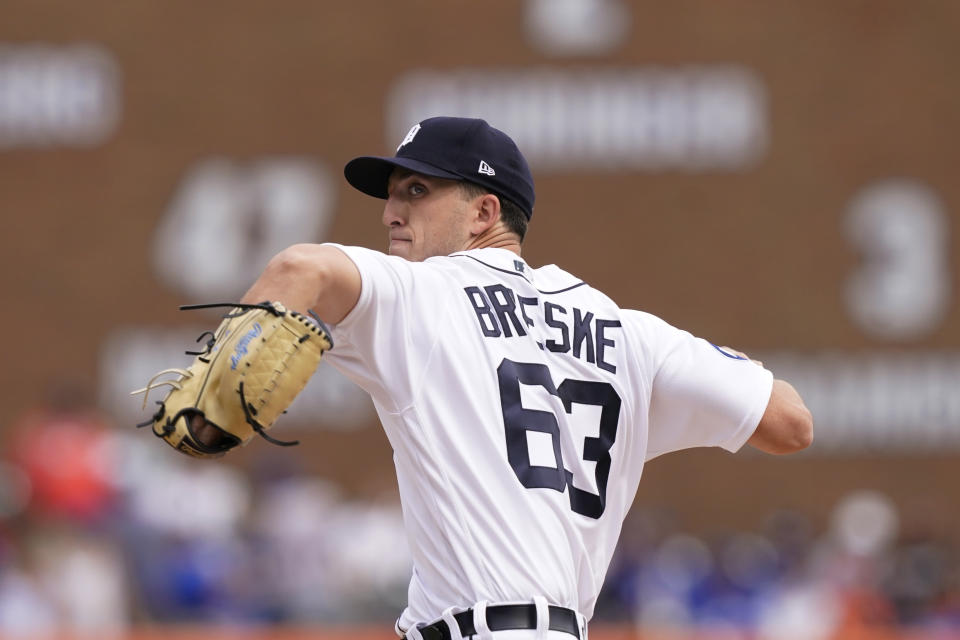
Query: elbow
x,y
802,429
798,435
294,260
299,264
315,277
787,424
789,430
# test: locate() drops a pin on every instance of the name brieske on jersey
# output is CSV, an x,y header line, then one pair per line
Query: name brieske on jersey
x,y
503,314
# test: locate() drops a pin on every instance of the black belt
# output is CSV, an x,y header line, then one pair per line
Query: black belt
x,y
503,617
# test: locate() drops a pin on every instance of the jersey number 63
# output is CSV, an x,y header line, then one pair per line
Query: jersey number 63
x,y
518,421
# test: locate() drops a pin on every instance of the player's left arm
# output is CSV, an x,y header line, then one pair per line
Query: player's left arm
x,y
786,425
310,277
303,277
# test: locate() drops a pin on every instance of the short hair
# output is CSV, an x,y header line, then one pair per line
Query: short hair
x,y
512,215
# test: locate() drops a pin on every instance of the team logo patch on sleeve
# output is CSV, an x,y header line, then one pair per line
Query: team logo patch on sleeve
x,y
727,353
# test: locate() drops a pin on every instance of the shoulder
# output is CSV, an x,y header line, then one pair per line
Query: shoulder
x,y
363,255
373,263
552,279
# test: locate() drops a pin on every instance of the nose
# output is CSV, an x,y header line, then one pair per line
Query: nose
x,y
391,213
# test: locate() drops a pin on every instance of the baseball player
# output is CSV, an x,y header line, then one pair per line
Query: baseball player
x,y
521,403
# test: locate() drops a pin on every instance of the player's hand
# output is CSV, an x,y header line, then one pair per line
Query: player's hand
x,y
205,433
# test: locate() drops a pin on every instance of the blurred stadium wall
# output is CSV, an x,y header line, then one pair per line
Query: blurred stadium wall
x,y
777,177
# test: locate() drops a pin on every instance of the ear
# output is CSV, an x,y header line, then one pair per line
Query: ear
x,y
486,213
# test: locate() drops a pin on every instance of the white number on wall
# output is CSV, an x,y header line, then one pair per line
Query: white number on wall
x,y
577,27
902,288
228,219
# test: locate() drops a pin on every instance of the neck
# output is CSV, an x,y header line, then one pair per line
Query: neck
x,y
496,237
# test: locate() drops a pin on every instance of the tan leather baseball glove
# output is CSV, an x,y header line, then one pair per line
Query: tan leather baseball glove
x,y
254,365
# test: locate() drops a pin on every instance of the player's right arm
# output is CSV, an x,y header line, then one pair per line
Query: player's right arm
x,y
786,425
704,395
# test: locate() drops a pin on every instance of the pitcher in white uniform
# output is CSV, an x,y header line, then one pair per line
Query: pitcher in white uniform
x,y
521,403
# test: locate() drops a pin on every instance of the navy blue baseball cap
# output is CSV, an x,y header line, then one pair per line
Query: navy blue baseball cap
x,y
456,149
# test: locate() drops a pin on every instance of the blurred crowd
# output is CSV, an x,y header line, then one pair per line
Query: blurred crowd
x,y
101,530
787,580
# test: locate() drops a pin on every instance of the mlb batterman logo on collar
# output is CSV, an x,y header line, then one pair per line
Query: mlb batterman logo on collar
x,y
456,149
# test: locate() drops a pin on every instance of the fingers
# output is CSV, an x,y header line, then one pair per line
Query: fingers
x,y
205,433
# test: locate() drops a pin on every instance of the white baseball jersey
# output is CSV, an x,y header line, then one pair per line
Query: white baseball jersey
x,y
521,405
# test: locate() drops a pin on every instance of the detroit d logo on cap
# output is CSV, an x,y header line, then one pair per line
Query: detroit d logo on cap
x,y
407,139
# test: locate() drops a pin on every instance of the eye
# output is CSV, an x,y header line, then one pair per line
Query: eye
x,y
416,189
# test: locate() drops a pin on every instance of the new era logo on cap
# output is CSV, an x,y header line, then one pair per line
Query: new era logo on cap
x,y
454,149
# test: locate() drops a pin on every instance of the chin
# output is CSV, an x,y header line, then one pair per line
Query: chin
x,y
399,249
